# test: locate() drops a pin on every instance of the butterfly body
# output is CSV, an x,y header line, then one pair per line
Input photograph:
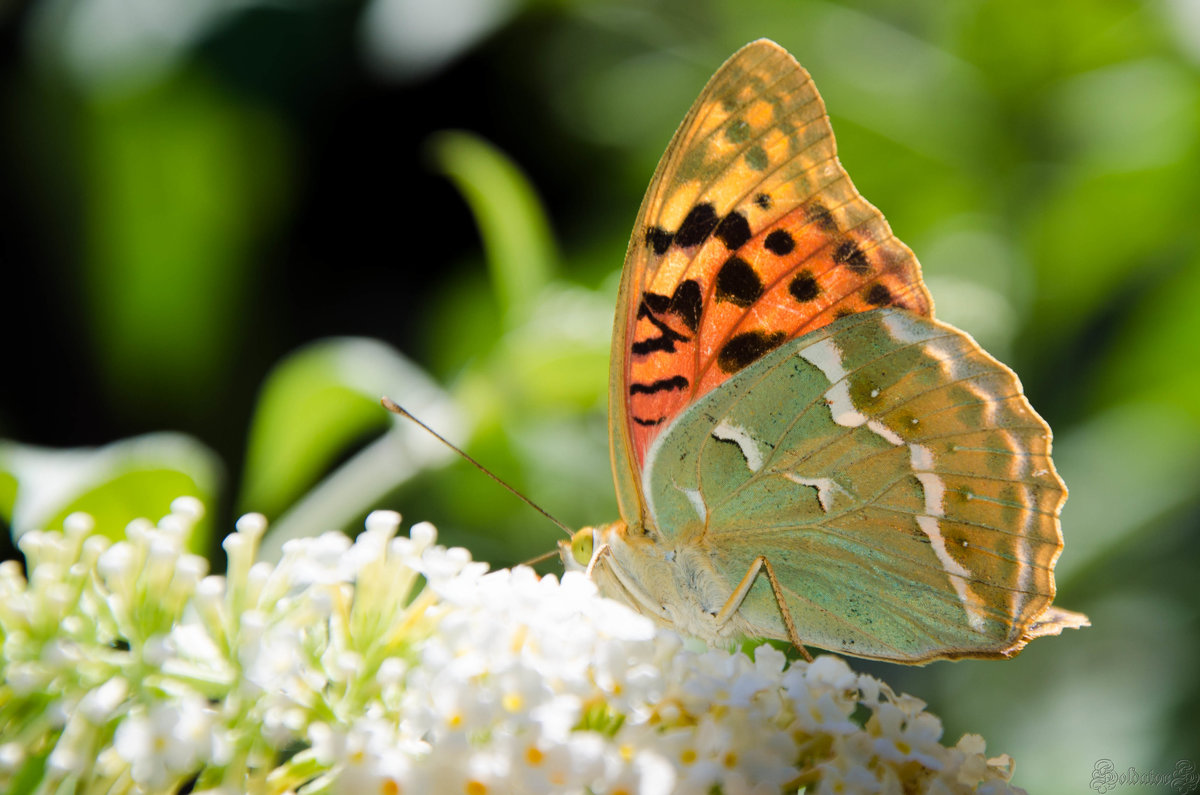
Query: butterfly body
x,y
679,587
800,450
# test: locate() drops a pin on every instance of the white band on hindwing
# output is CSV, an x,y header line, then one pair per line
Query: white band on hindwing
x,y
826,488
902,330
726,431
826,356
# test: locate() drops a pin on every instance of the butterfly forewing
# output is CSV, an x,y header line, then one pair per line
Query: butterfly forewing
x,y
751,234
894,476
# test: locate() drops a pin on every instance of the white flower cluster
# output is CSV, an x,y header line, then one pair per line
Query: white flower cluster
x,y
392,665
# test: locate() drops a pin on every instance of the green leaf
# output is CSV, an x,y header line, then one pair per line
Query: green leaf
x,y
317,405
181,181
122,481
31,773
516,234
557,355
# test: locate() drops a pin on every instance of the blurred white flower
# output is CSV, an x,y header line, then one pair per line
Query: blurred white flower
x,y
409,38
392,664
165,742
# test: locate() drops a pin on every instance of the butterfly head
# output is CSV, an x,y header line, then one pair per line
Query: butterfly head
x,y
577,553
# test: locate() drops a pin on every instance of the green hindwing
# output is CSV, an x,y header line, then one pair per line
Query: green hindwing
x,y
891,473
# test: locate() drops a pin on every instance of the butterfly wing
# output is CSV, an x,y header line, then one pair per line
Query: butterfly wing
x,y
893,475
750,234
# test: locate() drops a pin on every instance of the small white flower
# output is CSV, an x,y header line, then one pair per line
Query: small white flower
x,y
78,524
902,737
138,530
346,666
648,774
25,678
188,507
166,741
116,562
251,525
191,641
423,534
166,545
316,561
156,650
391,671
100,703
850,772
66,761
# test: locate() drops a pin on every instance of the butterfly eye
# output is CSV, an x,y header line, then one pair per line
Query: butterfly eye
x,y
581,546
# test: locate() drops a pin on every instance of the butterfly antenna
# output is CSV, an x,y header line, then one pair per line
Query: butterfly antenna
x,y
396,408
539,558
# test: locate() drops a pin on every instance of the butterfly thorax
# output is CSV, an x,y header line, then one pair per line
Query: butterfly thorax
x,y
677,587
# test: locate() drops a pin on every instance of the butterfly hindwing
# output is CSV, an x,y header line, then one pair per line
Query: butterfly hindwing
x,y
893,475
751,234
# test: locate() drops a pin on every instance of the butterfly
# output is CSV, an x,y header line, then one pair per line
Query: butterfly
x,y
801,452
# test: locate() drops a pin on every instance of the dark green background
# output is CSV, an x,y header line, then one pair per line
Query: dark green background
x,y
186,196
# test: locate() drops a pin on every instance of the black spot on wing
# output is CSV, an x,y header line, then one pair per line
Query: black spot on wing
x,y
737,282
700,222
667,336
658,239
643,421
763,201
849,254
779,242
878,295
819,214
662,385
746,347
686,303
653,302
804,287
733,231
664,342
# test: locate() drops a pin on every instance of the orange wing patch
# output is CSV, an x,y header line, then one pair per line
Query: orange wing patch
x,y
744,295
751,234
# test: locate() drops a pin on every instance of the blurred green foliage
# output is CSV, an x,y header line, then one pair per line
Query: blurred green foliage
x,y
191,195
181,180
127,479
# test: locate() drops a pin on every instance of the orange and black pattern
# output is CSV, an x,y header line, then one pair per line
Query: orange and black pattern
x,y
751,234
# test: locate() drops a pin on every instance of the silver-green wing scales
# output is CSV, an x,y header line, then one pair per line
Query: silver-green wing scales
x,y
893,476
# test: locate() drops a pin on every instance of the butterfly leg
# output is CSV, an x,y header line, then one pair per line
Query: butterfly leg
x,y
793,636
761,564
604,549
